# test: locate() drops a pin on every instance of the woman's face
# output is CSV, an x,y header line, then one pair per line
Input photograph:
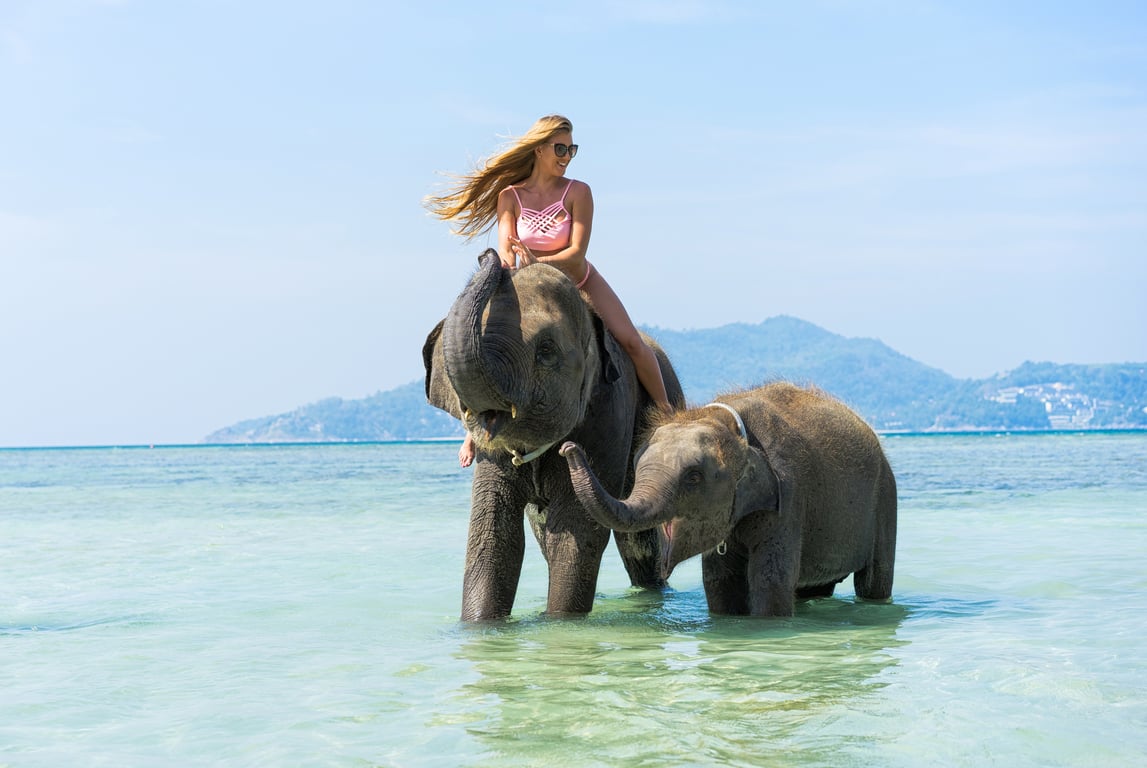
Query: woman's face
x,y
547,154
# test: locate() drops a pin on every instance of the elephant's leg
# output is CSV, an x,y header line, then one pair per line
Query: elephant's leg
x,y
773,559
726,585
494,547
773,572
639,553
874,581
771,597
573,546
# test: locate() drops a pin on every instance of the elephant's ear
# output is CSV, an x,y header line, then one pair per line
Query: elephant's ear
x,y
610,371
758,489
428,347
439,393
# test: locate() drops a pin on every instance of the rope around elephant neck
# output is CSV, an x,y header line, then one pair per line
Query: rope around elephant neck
x,y
518,459
722,548
737,416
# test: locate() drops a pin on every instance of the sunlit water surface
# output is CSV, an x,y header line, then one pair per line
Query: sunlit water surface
x,y
297,605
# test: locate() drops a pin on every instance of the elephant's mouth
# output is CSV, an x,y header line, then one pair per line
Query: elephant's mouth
x,y
491,422
522,426
665,537
500,430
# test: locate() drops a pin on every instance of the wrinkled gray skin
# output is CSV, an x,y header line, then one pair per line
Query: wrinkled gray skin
x,y
808,499
525,363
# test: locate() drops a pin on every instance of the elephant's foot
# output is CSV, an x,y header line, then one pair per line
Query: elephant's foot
x,y
873,583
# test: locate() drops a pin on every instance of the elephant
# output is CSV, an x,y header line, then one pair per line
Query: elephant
x,y
782,489
525,363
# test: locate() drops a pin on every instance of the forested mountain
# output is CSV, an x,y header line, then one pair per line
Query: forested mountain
x,y
891,391
397,414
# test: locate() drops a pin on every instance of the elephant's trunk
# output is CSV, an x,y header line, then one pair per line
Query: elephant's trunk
x,y
484,373
645,507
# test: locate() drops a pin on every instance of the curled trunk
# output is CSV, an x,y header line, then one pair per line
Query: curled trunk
x,y
644,509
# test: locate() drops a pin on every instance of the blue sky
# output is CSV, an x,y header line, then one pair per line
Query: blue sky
x,y
210,210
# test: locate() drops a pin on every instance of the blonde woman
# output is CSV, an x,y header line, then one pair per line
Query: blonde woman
x,y
544,217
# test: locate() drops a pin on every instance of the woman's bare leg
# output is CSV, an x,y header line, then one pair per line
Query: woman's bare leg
x,y
616,319
466,452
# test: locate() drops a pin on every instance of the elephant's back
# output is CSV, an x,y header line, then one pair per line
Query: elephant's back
x,y
799,419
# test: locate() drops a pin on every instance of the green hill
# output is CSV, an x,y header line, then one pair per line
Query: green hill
x,y
880,383
891,391
397,414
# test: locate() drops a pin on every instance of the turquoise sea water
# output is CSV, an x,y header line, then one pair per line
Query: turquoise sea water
x,y
297,605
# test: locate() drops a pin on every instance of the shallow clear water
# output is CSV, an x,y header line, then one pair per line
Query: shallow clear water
x,y
297,605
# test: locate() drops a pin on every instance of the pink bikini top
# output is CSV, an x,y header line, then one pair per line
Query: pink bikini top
x,y
542,230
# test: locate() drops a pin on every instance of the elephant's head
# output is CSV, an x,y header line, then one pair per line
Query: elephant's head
x,y
516,358
695,479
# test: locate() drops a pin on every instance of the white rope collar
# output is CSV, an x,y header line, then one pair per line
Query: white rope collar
x,y
737,416
722,548
518,459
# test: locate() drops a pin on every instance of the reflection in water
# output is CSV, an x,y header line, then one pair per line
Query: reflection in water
x,y
651,677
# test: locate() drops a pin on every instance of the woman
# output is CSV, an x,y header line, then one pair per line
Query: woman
x,y
544,217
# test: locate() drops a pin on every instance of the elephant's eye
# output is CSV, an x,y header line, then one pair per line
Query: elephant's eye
x,y
693,478
546,354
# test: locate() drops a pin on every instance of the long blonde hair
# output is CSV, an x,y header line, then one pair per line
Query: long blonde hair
x,y
473,202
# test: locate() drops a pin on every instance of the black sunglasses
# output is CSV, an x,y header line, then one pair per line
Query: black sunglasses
x,y
561,149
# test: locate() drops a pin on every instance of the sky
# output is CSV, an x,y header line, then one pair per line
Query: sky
x,y
211,210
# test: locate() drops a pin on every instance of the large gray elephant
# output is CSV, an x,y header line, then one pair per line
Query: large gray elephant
x,y
785,490
525,363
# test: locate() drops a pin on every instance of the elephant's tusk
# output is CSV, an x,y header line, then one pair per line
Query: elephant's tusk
x,y
513,411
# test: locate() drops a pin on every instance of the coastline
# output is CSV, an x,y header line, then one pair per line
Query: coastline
x,y
969,432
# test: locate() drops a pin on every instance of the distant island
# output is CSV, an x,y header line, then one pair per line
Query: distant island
x,y
891,391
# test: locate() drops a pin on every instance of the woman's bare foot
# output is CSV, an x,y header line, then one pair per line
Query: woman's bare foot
x,y
466,452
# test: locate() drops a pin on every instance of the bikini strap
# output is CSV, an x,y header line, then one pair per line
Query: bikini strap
x,y
567,189
516,196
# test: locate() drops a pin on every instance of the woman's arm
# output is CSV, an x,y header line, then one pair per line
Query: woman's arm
x,y
507,227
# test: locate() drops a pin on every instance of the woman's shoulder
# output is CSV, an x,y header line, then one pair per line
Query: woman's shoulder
x,y
577,187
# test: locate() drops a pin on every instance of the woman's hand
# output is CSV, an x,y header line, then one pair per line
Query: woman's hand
x,y
524,255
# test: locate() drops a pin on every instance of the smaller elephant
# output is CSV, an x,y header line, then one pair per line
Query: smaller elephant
x,y
785,490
